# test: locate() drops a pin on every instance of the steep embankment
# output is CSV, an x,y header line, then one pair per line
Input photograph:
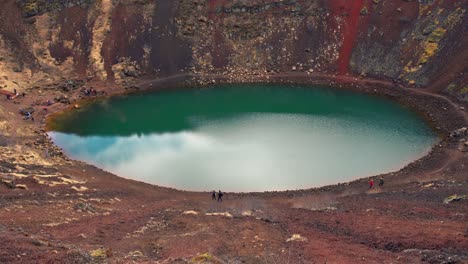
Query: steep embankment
x,y
420,43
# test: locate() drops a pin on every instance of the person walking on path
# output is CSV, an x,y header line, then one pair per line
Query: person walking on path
x,y
371,183
220,196
381,181
29,116
213,195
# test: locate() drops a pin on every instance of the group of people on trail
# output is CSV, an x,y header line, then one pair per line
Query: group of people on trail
x,y
217,196
371,182
90,91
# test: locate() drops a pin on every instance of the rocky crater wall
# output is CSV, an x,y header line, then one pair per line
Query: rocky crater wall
x,y
416,43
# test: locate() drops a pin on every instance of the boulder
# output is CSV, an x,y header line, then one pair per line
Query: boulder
x,y
131,72
39,242
461,132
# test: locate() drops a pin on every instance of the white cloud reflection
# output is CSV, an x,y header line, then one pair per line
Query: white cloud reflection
x,y
253,153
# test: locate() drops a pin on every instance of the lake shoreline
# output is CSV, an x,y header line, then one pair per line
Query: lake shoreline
x,y
131,124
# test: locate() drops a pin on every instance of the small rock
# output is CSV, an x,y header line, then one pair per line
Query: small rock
x,y
22,186
459,132
297,238
454,198
38,242
190,212
364,11
428,30
135,254
62,99
79,189
247,213
203,19
85,207
131,72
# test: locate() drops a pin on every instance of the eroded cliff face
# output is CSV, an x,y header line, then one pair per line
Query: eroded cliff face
x,y
421,43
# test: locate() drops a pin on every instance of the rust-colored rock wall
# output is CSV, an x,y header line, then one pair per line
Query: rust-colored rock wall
x,y
420,43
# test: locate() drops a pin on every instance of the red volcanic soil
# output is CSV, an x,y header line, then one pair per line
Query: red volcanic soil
x,y
352,21
72,212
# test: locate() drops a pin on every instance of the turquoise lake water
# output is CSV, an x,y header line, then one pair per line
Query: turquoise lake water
x,y
244,137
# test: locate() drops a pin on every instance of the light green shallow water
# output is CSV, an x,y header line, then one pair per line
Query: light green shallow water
x,y
244,137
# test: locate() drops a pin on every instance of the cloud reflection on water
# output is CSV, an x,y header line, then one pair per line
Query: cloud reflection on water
x,y
253,153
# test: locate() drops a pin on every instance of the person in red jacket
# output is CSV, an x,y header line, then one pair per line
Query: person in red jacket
x,y
371,183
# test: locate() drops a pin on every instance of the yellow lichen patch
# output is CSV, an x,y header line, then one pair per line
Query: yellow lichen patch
x,y
430,50
455,17
100,253
202,258
436,35
451,87
30,8
430,46
408,68
423,8
464,90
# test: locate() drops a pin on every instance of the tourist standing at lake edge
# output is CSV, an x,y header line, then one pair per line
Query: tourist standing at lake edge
x,y
220,196
213,195
371,183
